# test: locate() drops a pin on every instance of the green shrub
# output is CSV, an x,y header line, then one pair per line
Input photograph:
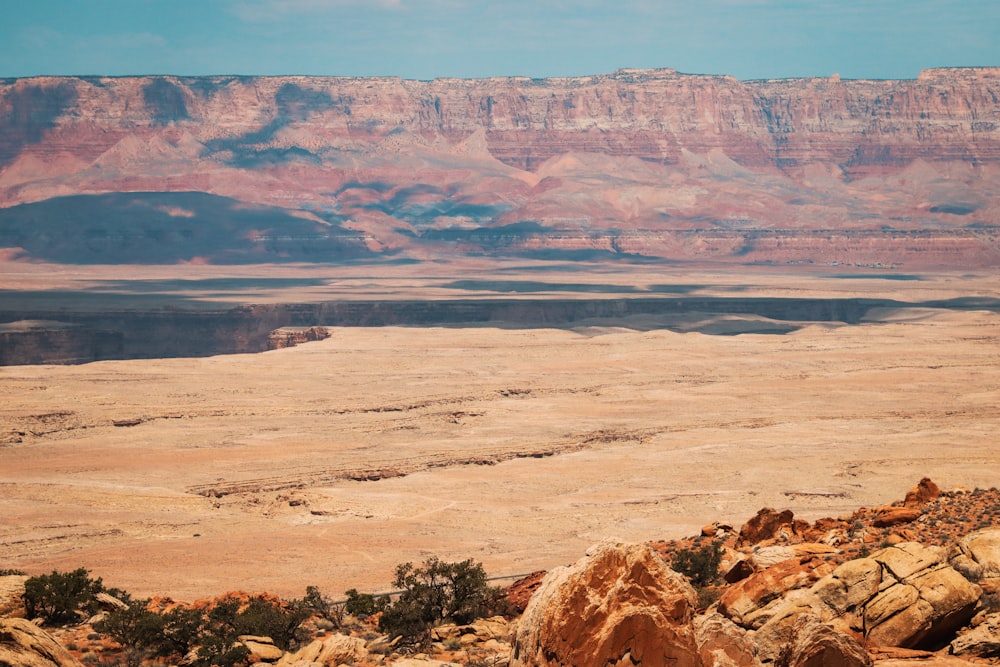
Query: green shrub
x,y
62,597
318,604
435,593
700,566
212,634
363,605
7,572
136,629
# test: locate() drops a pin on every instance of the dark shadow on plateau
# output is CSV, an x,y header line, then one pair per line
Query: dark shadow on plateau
x,y
159,325
876,276
203,284
532,286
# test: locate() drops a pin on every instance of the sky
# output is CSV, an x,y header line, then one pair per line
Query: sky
x,y
426,39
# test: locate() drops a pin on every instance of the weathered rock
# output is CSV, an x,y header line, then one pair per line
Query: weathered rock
x,y
849,586
766,557
977,555
747,602
815,644
24,644
722,643
982,641
621,605
904,596
924,492
893,516
109,602
329,652
262,651
496,627
920,659
767,524
11,592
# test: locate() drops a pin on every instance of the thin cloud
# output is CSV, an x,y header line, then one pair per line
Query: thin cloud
x,y
269,10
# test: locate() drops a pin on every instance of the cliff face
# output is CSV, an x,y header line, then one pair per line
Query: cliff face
x,y
378,163
945,114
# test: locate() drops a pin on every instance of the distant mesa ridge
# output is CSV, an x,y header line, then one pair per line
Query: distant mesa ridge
x,y
650,163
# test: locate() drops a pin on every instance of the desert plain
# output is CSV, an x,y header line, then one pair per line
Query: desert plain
x,y
328,463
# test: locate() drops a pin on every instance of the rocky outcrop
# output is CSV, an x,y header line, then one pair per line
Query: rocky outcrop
x,y
924,492
770,524
982,641
621,605
905,596
977,556
815,644
722,643
262,649
750,602
894,516
23,644
292,336
11,595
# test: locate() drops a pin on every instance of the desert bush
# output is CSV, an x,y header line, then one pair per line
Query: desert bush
x,y
136,629
318,604
435,593
701,566
363,605
7,572
62,597
212,634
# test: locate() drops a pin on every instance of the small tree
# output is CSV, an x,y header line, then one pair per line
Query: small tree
x,y
136,629
317,603
435,593
363,605
62,597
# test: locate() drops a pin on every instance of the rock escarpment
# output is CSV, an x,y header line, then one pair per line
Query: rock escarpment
x,y
638,162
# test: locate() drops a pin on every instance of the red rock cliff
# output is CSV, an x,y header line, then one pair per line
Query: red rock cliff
x,y
635,150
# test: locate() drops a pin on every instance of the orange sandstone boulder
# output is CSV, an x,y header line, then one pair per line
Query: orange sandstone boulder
x,y
924,492
815,644
747,602
11,595
904,596
977,555
618,606
722,643
893,516
24,644
770,524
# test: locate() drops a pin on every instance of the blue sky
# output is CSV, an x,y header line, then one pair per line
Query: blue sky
x,y
424,39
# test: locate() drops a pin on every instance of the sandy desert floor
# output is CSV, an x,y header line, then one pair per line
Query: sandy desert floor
x,y
516,447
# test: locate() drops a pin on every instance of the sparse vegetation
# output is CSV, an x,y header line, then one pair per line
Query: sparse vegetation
x,y
363,605
62,597
701,565
211,633
435,593
136,629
